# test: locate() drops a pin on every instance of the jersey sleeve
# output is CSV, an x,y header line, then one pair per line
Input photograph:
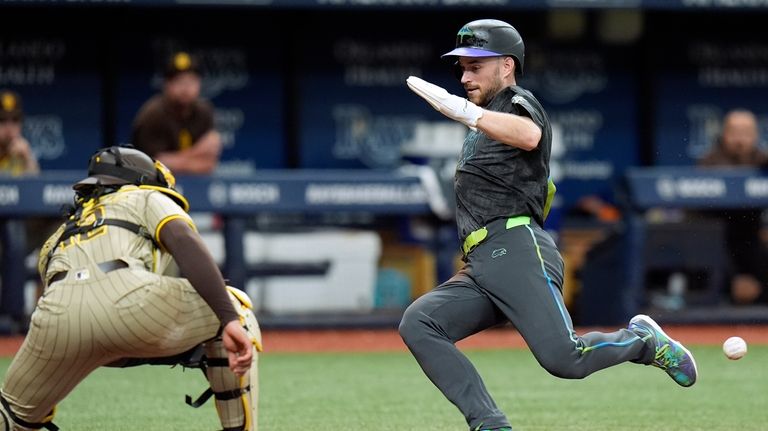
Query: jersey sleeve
x,y
525,107
159,210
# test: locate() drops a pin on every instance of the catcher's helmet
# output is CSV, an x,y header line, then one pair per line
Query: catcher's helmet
x,y
489,38
115,166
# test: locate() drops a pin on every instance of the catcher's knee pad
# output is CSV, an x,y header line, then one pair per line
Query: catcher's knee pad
x,y
236,397
10,422
244,307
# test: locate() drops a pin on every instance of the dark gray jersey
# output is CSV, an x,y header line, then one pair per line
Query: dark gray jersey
x,y
494,180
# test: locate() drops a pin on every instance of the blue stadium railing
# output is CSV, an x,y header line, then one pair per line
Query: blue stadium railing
x,y
615,281
234,199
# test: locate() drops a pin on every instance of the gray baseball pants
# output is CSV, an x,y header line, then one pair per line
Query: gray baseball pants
x,y
513,275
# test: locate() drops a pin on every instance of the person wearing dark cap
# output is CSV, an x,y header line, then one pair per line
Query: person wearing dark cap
x,y
176,126
16,157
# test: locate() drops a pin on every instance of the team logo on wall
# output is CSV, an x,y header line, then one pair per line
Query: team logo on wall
x,y
228,121
45,134
562,77
374,140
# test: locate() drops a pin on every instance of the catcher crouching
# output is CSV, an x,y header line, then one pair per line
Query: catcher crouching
x,y
107,303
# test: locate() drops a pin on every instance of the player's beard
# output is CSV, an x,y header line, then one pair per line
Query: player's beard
x,y
495,86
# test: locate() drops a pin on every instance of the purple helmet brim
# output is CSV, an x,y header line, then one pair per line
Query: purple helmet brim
x,y
465,51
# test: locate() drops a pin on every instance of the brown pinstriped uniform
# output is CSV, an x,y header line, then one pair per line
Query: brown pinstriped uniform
x,y
90,319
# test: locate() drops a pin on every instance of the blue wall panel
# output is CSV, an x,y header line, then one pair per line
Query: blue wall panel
x,y
704,80
59,81
242,80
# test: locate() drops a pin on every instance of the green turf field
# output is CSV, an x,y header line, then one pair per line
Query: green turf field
x,y
387,391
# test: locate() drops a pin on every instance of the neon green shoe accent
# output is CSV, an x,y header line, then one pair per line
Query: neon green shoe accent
x,y
669,355
478,428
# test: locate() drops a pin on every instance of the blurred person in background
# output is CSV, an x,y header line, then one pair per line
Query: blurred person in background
x,y
176,126
16,159
738,146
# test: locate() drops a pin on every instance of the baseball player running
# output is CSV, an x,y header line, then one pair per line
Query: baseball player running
x,y
513,270
106,302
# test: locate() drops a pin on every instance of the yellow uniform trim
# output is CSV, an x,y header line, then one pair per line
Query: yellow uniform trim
x,y
173,194
50,416
243,299
246,407
240,296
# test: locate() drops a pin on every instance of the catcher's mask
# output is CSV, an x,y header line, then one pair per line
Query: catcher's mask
x,y
489,38
116,166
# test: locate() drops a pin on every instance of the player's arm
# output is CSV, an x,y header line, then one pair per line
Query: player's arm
x,y
514,130
208,146
198,266
20,147
201,158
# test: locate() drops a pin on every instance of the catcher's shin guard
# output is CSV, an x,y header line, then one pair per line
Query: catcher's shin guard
x,y
236,397
10,422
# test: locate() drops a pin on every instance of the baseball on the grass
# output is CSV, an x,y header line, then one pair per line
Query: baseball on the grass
x,y
735,348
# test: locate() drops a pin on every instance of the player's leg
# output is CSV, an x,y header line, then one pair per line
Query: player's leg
x,y
430,327
35,385
145,315
525,282
56,355
177,321
237,398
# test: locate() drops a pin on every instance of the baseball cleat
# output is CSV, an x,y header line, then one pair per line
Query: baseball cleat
x,y
671,356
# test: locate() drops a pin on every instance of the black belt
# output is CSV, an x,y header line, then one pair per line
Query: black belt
x,y
105,267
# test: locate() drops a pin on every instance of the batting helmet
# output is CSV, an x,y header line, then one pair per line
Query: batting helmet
x,y
489,38
113,166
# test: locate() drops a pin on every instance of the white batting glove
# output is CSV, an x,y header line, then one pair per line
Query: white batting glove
x,y
454,107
